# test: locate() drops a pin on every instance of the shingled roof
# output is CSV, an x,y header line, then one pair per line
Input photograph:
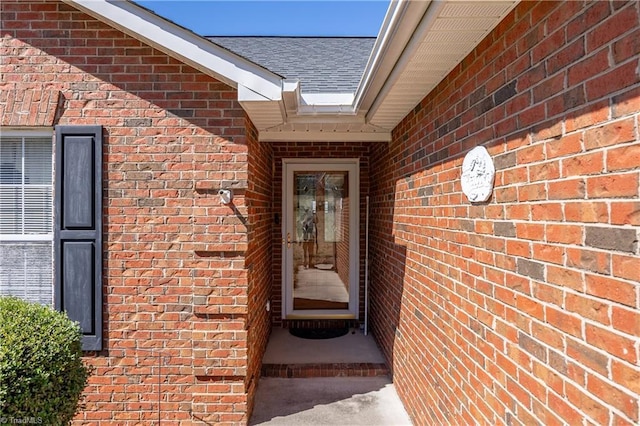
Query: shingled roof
x,y
322,64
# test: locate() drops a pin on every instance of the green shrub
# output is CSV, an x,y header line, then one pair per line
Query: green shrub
x,y
41,371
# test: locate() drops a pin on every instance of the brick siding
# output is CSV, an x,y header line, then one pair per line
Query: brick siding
x,y
176,263
259,260
523,309
31,108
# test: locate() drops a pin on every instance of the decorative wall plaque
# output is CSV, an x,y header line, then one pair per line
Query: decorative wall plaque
x,y
477,175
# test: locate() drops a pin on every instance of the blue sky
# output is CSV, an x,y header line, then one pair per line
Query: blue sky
x,y
270,17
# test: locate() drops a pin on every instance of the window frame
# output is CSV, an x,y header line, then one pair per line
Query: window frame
x,y
24,239
33,133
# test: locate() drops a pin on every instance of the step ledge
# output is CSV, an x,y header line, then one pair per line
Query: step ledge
x,y
346,369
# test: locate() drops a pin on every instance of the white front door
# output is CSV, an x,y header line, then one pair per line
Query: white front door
x,y
320,238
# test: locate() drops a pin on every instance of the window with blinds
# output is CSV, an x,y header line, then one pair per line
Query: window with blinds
x,y
26,217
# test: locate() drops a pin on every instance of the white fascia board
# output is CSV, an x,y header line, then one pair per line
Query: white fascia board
x,y
263,112
184,45
410,48
302,104
326,110
247,95
291,86
402,17
297,136
336,119
432,15
326,104
338,99
398,27
291,96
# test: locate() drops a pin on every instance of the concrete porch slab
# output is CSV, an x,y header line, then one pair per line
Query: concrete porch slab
x,y
283,348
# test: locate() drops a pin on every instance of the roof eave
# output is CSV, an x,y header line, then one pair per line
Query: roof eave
x,y
393,82
400,22
386,93
183,45
448,29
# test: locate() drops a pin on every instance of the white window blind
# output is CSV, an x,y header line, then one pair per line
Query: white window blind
x,y
26,217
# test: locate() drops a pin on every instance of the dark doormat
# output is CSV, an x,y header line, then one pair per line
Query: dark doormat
x,y
318,333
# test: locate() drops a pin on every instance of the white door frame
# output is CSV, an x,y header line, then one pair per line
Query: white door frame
x,y
289,166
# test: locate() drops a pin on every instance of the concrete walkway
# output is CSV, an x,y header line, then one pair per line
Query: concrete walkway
x,y
330,401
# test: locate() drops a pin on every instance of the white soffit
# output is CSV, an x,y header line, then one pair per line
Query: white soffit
x,y
317,128
323,131
448,32
184,45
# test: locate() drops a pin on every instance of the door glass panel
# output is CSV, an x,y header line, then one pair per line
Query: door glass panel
x,y
321,240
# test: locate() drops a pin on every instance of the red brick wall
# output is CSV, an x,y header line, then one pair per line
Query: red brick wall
x,y
314,150
175,273
259,260
524,309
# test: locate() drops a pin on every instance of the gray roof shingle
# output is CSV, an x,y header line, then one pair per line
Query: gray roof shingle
x,y
322,64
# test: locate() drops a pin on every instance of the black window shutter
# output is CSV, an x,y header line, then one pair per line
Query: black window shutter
x,y
78,229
